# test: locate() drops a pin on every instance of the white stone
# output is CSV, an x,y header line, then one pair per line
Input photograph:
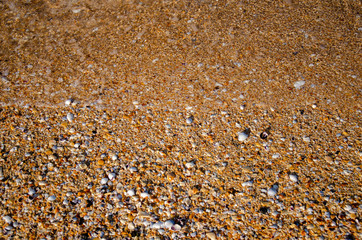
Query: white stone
x,y
68,102
176,227
104,181
189,120
8,219
299,84
157,225
111,176
51,198
247,184
130,193
272,192
31,191
293,177
168,224
244,135
144,195
190,165
70,117
133,169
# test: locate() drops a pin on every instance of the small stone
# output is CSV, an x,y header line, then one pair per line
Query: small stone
x,y
131,226
68,102
51,198
244,135
70,117
104,181
247,184
133,169
130,192
299,84
273,191
168,224
190,120
211,235
111,176
293,177
31,191
190,165
144,195
176,227
8,219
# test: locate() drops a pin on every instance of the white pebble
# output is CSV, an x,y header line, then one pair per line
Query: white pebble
x,y
144,195
114,157
157,225
111,176
176,227
247,184
189,120
306,139
272,192
51,198
293,177
8,219
299,84
244,135
276,155
70,117
130,193
190,165
169,223
68,102
104,181
131,226
31,191
133,169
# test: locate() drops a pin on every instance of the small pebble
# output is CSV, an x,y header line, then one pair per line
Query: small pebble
x,y
130,193
190,120
70,117
190,165
111,176
299,84
104,181
293,177
244,135
51,198
8,219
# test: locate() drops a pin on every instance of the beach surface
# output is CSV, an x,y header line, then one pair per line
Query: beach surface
x,y
180,119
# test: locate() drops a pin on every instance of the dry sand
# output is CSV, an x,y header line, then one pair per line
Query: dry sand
x,y
125,119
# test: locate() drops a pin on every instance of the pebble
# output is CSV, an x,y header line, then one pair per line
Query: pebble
x,y
190,120
190,165
51,198
244,135
104,181
272,191
211,235
299,84
70,117
111,176
8,219
131,192
293,177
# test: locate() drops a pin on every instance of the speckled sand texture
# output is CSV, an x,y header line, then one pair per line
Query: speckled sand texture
x,y
180,119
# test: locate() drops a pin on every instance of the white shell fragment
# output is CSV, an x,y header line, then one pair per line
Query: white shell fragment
x,y
190,120
244,135
8,219
104,181
130,192
293,177
190,165
70,117
51,198
299,84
